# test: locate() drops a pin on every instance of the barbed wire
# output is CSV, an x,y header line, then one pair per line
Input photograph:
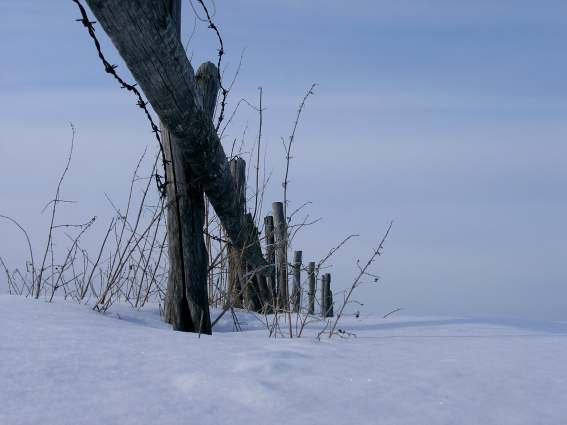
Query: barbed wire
x,y
203,19
111,69
224,90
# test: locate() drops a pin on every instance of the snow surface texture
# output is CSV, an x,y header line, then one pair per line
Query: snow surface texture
x,y
65,364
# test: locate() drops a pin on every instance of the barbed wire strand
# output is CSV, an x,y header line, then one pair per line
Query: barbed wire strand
x,y
224,90
111,69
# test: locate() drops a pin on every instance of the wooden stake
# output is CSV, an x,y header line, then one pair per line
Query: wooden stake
x,y
296,291
236,266
270,257
311,293
280,236
323,295
329,296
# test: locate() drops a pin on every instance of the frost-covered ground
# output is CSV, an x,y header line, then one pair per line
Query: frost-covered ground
x,y
64,364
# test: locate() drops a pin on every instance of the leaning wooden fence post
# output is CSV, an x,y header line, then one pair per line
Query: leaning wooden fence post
x,y
280,236
259,285
311,292
296,291
323,294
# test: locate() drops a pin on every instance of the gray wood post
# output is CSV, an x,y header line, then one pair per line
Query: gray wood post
x,y
328,296
323,294
236,265
311,292
296,291
247,286
187,306
270,258
280,236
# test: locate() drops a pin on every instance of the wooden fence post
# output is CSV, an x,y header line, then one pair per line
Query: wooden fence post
x,y
328,296
311,293
280,236
296,291
236,266
270,257
323,294
248,287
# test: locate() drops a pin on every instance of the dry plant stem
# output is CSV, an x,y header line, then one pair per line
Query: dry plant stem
x,y
258,159
220,54
285,201
291,139
28,243
125,255
53,211
334,250
249,276
122,258
390,313
124,217
147,260
9,278
68,257
152,280
376,253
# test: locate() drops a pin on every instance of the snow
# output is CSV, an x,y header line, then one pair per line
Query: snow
x,y
64,364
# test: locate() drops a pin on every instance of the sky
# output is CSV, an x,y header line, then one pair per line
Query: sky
x,y
447,117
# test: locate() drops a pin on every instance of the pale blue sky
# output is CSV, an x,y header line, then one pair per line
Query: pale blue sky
x,y
446,116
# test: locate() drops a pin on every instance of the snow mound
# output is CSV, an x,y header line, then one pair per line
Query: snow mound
x,y
65,364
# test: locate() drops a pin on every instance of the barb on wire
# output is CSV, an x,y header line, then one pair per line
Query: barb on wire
x,y
224,90
111,69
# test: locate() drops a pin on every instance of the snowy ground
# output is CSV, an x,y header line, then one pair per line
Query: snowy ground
x,y
64,364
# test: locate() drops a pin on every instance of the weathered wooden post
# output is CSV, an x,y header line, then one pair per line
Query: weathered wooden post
x,y
236,266
187,303
280,236
248,286
323,294
311,292
329,296
270,257
296,291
